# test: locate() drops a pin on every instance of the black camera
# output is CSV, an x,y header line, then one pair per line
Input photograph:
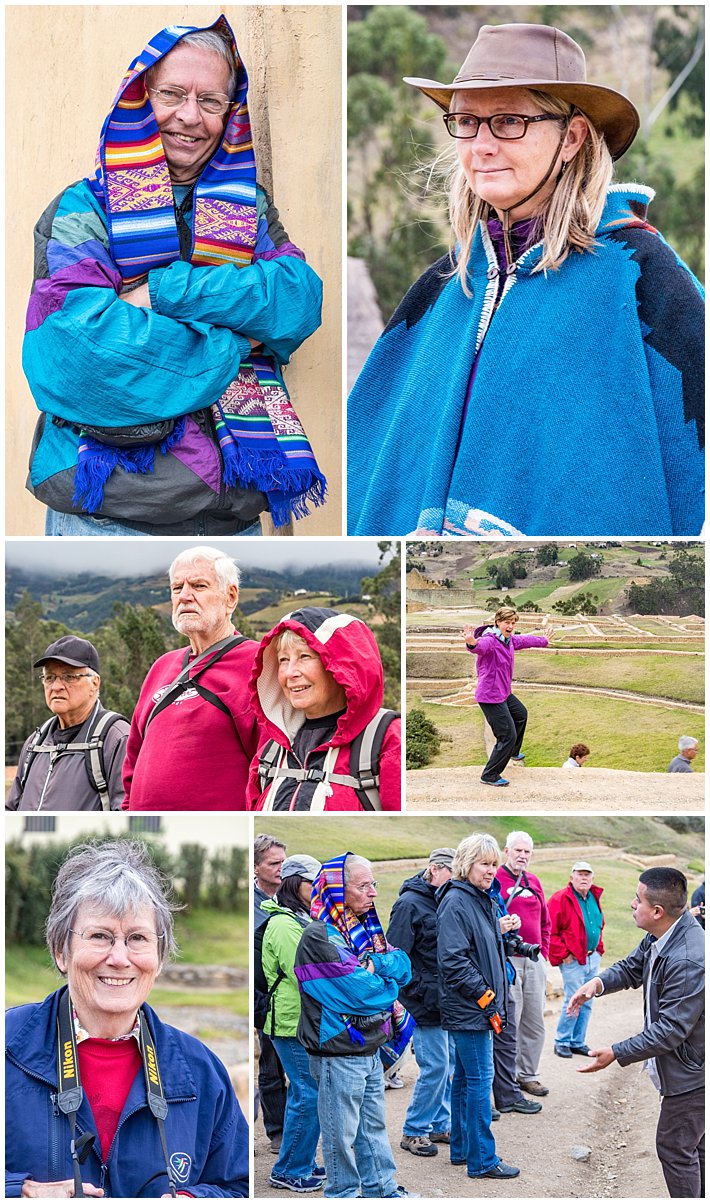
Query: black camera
x,y
518,947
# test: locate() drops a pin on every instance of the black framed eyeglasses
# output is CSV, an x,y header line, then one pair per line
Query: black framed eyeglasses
x,y
506,126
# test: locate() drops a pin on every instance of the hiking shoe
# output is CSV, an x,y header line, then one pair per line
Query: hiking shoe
x,y
563,1050
532,1086
319,1171
420,1146
275,1143
519,757
501,1170
299,1186
393,1082
402,1193
500,781
582,1050
495,1113
523,1106
440,1138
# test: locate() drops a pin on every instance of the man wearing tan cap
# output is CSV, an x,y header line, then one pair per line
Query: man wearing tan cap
x,y
576,946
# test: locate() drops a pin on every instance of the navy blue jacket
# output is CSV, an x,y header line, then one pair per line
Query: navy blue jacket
x,y
471,957
413,929
206,1132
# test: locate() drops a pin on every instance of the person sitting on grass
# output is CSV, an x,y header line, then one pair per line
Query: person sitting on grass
x,y
578,753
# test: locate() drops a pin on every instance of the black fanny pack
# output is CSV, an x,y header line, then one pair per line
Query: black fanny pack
x,y
131,436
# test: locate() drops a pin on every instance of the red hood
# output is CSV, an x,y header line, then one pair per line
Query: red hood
x,y
347,649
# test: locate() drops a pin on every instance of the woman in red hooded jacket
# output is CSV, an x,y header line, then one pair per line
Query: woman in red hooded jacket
x,y
317,687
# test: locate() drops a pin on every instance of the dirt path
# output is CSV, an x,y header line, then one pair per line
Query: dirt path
x,y
614,790
612,1113
465,695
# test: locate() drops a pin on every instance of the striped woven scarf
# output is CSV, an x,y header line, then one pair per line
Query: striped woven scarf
x,y
363,934
262,441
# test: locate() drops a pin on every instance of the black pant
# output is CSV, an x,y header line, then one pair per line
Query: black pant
x,y
505,1054
507,721
272,1087
680,1144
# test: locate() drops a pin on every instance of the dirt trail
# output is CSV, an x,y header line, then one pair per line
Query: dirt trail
x,y
613,1113
464,696
614,790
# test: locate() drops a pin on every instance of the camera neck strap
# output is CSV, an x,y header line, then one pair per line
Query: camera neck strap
x,y
71,1093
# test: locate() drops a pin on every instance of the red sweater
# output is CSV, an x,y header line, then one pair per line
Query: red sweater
x,y
530,905
194,756
108,1069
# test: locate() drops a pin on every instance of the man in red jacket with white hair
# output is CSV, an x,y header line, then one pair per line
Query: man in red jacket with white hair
x,y
576,946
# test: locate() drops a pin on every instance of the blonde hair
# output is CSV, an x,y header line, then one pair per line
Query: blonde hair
x,y
289,638
473,848
505,612
573,212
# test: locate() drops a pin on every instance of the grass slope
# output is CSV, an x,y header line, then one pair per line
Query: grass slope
x,y
622,735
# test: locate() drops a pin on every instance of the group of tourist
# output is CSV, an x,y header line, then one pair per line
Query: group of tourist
x,y
461,973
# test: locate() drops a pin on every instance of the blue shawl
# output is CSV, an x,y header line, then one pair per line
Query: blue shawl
x,y
586,412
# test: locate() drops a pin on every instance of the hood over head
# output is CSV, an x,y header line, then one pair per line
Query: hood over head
x,y
132,182
347,649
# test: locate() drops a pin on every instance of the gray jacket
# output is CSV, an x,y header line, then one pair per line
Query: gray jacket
x,y
61,782
675,1031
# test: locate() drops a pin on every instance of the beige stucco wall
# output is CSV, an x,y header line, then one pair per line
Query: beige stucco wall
x,y
64,65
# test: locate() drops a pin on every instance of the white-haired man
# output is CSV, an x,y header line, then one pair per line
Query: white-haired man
x,y
194,733
687,751
524,896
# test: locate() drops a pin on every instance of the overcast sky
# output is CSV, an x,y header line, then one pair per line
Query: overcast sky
x,y
136,557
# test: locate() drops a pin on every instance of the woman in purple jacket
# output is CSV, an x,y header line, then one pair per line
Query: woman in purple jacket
x,y
495,649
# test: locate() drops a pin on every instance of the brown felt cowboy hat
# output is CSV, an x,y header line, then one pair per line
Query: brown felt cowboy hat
x,y
538,56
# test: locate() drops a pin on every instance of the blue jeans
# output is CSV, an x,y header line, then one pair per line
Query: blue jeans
x,y
301,1130
430,1106
572,1029
57,523
471,1112
351,1107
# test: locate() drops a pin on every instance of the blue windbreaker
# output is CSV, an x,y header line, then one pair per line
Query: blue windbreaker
x,y
207,1135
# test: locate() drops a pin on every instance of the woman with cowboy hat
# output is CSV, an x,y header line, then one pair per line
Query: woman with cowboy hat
x,y
546,377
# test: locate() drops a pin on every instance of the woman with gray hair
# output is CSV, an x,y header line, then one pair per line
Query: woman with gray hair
x,y
473,990
103,1099
561,320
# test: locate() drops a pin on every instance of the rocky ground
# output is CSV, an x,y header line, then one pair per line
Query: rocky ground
x,y
613,790
607,1118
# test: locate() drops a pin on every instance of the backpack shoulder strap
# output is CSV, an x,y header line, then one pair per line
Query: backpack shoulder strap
x,y
365,758
94,753
185,681
36,740
269,758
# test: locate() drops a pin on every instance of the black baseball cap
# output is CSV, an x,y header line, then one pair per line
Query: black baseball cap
x,y
71,650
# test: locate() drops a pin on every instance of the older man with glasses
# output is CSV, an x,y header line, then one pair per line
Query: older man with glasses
x,y
74,760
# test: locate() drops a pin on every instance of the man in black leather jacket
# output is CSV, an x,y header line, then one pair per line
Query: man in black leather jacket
x,y
670,965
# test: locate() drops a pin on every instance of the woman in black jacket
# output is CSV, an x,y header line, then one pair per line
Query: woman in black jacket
x,y
473,988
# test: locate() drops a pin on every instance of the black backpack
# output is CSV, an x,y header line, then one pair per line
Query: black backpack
x,y
263,992
364,775
92,749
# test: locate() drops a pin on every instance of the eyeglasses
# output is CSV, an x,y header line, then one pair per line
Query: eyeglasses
x,y
209,102
137,942
366,885
65,678
506,126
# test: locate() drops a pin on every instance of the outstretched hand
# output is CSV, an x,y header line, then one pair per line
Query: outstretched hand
x,y
581,996
468,635
599,1058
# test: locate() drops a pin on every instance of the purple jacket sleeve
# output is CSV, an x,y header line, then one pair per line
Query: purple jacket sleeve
x,y
523,641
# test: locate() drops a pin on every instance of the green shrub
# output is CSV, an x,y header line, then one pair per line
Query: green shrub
x,y
423,740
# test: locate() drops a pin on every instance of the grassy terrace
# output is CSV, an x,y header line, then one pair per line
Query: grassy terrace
x,y
621,734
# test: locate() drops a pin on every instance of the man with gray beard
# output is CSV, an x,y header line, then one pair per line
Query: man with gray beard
x,y
193,733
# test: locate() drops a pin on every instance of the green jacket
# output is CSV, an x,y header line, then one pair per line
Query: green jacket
x,y
281,939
